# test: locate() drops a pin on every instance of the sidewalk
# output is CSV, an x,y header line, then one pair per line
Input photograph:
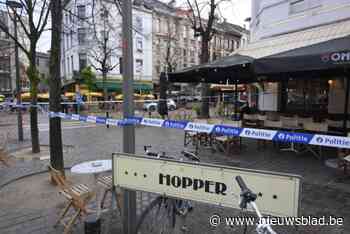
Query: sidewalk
x,y
321,193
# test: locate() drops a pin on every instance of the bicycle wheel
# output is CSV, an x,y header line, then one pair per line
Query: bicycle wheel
x,y
158,217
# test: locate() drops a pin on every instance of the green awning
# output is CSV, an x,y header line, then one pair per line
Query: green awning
x,y
117,86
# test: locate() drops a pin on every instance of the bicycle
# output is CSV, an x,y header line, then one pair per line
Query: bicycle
x,y
160,215
248,197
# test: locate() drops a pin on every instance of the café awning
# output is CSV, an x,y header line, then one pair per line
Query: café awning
x,y
332,55
223,70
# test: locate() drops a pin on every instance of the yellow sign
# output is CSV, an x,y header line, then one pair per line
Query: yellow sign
x,y
278,194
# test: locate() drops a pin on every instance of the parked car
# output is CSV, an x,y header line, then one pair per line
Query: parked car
x,y
2,98
152,105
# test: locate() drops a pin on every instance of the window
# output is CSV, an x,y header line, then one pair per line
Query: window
x,y
104,34
72,63
184,35
71,38
306,95
297,6
67,40
192,53
81,35
232,45
185,52
81,12
68,68
139,65
138,23
139,44
82,61
121,65
37,61
158,26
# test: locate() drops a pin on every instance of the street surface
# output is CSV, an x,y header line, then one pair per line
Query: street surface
x,y
322,194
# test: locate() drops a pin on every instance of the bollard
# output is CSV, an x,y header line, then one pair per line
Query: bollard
x,y
92,224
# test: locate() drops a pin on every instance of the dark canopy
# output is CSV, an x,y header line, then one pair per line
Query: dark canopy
x,y
325,57
227,69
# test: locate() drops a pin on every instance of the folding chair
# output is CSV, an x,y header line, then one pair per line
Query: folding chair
x,y
344,162
107,183
77,195
4,156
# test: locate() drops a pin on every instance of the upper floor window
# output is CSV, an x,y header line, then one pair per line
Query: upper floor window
x,y
81,12
297,6
139,44
82,61
81,35
158,26
139,65
139,23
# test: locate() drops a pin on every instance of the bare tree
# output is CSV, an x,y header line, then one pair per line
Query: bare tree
x,y
32,20
172,53
204,28
56,151
101,48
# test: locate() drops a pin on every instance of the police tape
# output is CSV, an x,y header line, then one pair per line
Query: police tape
x,y
217,129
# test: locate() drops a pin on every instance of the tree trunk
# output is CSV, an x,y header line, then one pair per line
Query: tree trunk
x,y
34,81
204,113
56,152
105,93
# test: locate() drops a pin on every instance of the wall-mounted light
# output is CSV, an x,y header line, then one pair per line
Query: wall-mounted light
x,y
330,82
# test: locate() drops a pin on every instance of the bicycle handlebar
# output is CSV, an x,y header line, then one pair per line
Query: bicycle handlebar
x,y
247,196
241,183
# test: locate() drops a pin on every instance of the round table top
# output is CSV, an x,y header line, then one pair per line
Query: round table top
x,y
92,167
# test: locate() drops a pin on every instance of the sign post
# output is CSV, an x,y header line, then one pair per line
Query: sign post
x,y
278,194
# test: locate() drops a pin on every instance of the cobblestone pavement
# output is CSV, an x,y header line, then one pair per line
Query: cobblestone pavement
x,y
322,194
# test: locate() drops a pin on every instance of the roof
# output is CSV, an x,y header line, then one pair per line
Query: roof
x,y
228,27
156,5
290,41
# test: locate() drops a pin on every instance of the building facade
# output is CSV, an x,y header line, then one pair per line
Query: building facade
x,y
174,43
93,33
7,58
282,25
43,67
275,17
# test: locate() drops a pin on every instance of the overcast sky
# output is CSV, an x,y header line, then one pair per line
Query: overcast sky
x,y
235,11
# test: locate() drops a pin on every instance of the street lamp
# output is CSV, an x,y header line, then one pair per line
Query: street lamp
x,y
14,5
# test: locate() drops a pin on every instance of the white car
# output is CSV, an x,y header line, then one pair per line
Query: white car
x,y
152,105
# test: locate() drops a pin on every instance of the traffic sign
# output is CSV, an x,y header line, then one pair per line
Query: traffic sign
x,y
278,194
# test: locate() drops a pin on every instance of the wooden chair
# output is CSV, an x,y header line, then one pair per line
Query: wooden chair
x,y
227,143
304,120
261,119
4,155
77,195
335,126
312,127
343,163
250,120
107,183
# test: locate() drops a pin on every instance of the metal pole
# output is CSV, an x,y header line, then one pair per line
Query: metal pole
x,y
236,100
345,118
129,206
18,87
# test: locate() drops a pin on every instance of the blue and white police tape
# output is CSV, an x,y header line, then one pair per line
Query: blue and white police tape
x,y
225,130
